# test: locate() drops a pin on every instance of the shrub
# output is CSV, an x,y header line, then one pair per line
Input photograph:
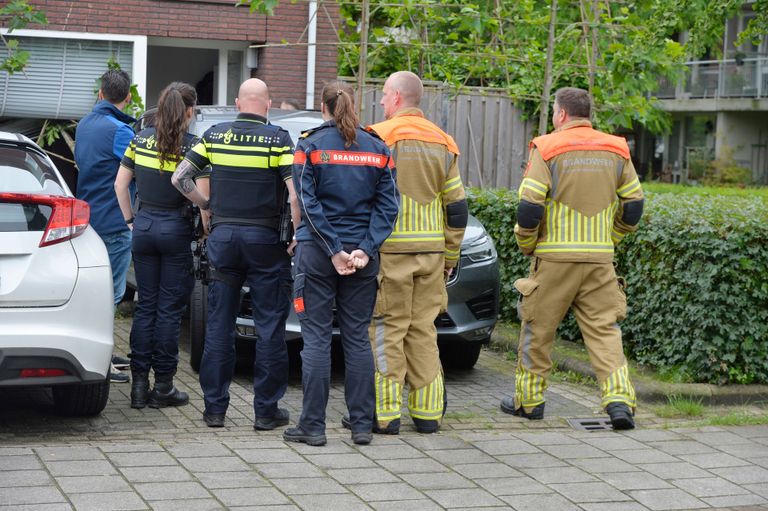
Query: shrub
x,y
697,276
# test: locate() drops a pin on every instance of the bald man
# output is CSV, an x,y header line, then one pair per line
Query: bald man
x,y
416,259
250,175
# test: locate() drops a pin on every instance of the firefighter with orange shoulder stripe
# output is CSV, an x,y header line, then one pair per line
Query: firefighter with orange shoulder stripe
x,y
579,197
416,259
345,183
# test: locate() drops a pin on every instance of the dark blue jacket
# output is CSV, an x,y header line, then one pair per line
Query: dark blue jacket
x,y
346,196
100,142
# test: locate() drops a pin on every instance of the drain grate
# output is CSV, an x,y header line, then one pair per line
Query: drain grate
x,y
591,424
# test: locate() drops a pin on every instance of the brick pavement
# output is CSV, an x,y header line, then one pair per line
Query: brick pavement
x,y
167,459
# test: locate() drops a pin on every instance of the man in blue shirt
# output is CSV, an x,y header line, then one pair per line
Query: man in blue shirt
x,y
100,142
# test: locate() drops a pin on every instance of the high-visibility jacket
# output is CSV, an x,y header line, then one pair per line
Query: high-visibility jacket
x,y
153,181
250,161
583,179
428,180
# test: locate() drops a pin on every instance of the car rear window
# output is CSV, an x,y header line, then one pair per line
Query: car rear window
x,y
22,170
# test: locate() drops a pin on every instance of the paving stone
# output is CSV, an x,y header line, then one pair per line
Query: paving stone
x,y
463,498
20,495
438,481
512,446
69,453
231,497
248,479
284,470
709,487
141,459
531,460
546,438
559,475
646,455
92,484
660,500
406,505
714,460
634,481
10,479
23,462
512,486
341,461
80,468
743,475
155,474
549,502
413,466
385,492
114,501
260,456
612,442
678,470
613,506
214,464
759,488
571,451
186,505
363,475
188,450
734,501
171,491
308,486
718,438
474,470
346,502
652,435
391,452
461,456
747,451
603,465
38,507
681,447
589,492
437,442
15,451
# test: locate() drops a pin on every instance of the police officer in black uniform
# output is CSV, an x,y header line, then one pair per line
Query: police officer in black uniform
x,y
161,235
250,167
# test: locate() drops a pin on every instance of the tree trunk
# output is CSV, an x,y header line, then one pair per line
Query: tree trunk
x,y
544,109
363,62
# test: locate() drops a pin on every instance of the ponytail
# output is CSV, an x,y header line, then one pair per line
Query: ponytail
x,y
338,98
171,121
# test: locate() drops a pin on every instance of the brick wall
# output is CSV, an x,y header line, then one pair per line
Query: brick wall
x,y
283,68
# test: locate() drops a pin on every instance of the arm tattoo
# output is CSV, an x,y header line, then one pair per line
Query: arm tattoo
x,y
183,180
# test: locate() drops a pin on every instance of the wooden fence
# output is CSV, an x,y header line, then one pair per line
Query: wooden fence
x,y
488,128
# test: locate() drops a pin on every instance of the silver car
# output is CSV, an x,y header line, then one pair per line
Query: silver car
x,y
56,304
473,290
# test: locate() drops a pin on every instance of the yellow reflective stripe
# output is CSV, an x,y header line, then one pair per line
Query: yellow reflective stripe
x,y
388,395
240,160
526,242
618,388
250,148
535,185
529,388
130,151
201,149
453,187
528,186
628,188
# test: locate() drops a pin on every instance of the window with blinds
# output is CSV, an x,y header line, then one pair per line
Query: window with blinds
x,y
59,81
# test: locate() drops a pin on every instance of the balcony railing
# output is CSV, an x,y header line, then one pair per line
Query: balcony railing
x,y
719,79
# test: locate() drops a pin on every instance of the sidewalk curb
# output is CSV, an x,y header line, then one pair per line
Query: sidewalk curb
x,y
653,391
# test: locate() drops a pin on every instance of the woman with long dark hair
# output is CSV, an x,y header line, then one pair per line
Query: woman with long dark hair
x,y
162,233
345,182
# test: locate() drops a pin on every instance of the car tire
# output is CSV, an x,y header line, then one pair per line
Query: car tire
x,y
81,400
198,313
460,354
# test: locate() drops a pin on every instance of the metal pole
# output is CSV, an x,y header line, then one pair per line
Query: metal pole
x,y
363,62
544,111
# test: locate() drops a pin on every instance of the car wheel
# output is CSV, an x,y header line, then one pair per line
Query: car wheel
x,y
198,312
460,354
81,400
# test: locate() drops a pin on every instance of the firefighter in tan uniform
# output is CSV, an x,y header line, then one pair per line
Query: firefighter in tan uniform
x,y
420,253
579,197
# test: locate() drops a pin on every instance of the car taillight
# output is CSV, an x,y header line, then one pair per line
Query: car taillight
x,y
69,216
42,372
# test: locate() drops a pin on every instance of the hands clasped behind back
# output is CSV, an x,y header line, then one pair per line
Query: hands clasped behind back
x,y
348,263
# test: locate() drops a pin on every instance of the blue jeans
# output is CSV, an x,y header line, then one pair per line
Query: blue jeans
x,y
250,254
119,249
163,262
317,287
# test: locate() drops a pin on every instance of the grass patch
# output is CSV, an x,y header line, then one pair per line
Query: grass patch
x,y
571,377
737,418
461,415
680,407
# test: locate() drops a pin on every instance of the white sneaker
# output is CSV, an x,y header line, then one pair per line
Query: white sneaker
x,y
115,376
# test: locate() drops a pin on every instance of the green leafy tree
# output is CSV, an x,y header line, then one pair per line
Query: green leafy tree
x,y
16,15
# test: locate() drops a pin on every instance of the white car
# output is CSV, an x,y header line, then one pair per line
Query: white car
x,y
56,305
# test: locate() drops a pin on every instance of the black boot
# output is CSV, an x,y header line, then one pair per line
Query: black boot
x,y
165,394
139,389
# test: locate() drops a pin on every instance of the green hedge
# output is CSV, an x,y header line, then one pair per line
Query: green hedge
x,y
697,276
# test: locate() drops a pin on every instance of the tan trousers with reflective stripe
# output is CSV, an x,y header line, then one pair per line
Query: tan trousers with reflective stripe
x,y
598,302
404,337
